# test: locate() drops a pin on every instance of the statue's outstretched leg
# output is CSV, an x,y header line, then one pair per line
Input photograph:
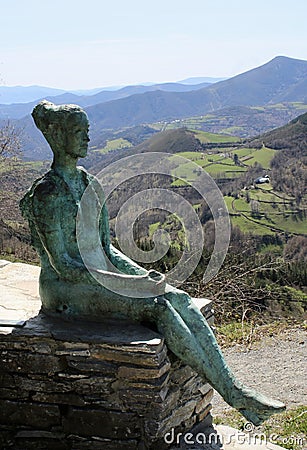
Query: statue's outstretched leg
x,y
207,359
186,332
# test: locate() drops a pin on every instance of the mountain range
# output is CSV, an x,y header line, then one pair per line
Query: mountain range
x,y
281,80
26,94
18,110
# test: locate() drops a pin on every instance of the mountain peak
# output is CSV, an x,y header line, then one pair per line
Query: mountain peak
x,y
287,60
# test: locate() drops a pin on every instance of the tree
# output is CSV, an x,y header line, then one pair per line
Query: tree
x,y
236,159
254,204
9,140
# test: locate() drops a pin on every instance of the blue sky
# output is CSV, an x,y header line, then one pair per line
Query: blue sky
x,y
94,43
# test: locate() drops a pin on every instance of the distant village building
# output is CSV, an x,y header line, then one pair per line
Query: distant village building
x,y
261,180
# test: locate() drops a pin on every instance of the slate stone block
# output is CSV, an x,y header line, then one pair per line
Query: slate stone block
x,y
107,424
30,414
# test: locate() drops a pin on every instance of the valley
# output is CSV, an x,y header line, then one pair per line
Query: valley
x,y
236,130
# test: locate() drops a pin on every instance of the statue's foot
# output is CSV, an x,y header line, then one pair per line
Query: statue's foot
x,y
256,407
257,417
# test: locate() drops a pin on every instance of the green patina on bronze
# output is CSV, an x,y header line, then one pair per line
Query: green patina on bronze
x,y
68,289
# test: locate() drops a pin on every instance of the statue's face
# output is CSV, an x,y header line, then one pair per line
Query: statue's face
x,y
77,138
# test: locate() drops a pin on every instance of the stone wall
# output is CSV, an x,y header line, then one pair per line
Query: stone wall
x,y
107,385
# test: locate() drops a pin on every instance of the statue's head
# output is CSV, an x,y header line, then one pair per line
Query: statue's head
x,y
65,127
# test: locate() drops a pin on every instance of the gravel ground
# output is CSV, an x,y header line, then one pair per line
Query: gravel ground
x,y
276,366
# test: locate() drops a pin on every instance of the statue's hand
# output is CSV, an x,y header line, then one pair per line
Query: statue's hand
x,y
151,284
156,276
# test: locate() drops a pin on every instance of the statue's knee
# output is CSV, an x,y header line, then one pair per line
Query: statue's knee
x,y
162,304
179,298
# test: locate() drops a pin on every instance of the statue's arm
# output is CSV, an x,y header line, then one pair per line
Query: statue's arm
x,y
122,262
46,214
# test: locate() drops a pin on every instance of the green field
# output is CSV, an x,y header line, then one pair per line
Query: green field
x,y
219,163
250,227
206,137
257,210
194,124
114,144
260,212
263,156
233,126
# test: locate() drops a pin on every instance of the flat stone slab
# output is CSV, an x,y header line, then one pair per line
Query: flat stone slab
x,y
20,306
19,297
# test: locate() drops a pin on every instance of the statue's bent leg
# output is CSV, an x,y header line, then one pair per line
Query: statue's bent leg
x,y
253,405
186,333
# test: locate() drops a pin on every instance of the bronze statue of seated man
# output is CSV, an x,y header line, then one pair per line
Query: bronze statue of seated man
x,y
67,287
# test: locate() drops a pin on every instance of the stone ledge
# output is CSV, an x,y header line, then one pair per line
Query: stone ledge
x,y
114,381
71,384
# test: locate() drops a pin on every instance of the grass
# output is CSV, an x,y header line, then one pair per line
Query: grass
x,y
228,201
233,333
153,227
114,144
249,156
195,124
232,130
249,227
276,212
300,106
265,195
291,224
263,156
271,249
179,183
188,172
288,221
218,120
220,164
287,429
247,332
192,156
224,171
241,204
242,152
206,137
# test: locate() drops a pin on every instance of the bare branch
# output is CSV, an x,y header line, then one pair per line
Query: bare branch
x,y
9,140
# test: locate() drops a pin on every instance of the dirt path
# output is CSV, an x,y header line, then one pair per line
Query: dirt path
x,y
276,366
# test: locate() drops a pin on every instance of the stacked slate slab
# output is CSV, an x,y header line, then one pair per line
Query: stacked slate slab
x,y
85,385
94,385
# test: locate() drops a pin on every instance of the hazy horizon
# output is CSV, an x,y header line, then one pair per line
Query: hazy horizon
x,y
144,82
73,45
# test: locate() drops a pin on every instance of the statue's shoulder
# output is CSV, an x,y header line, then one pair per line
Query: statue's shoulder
x,y
50,185
43,188
86,175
